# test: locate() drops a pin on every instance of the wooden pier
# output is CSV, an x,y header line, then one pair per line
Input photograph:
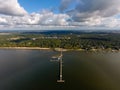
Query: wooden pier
x,y
60,69
59,59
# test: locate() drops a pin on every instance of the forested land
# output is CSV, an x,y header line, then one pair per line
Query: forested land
x,y
69,40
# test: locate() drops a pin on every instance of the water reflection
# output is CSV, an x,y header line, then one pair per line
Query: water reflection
x,y
32,70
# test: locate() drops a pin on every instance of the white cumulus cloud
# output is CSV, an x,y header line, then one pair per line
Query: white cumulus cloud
x,y
45,18
74,14
11,7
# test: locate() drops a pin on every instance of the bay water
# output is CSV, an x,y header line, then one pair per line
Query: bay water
x,y
32,70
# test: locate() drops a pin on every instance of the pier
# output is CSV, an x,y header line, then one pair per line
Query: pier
x,y
59,58
60,68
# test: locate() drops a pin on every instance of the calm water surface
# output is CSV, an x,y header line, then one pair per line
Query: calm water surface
x,y
32,70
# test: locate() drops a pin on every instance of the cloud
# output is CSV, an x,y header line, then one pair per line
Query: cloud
x,y
49,20
74,14
44,18
84,9
65,4
11,7
3,21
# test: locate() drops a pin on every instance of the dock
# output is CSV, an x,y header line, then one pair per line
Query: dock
x,y
60,69
59,59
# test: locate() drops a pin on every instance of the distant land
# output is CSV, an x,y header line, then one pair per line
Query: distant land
x,y
87,40
63,31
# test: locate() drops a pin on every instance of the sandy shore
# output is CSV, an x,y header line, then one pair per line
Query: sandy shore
x,y
58,49
38,48
35,48
28,48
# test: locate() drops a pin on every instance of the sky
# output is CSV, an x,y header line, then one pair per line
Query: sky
x,y
59,14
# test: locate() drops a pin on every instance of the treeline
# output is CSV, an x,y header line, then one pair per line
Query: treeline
x,y
69,41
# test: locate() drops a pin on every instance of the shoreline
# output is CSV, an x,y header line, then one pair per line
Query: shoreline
x,y
59,49
25,48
